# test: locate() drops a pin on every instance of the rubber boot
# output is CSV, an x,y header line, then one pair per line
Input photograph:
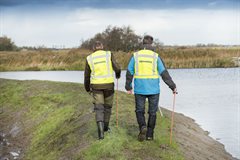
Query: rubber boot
x,y
106,126
107,115
142,126
151,126
100,125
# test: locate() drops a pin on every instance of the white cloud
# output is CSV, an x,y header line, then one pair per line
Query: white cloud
x,y
67,27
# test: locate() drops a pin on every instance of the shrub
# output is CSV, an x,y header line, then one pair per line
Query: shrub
x,y
6,44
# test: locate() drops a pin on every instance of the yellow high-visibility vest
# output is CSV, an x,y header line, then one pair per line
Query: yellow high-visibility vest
x,y
101,67
146,64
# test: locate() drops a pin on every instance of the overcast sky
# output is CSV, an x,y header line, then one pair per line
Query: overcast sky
x,y
66,23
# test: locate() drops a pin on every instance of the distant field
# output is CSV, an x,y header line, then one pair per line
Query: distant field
x,y
192,57
74,59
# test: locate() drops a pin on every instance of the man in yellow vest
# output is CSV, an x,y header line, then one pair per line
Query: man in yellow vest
x,y
99,79
145,66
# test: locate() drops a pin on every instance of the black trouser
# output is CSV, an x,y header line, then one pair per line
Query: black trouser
x,y
152,109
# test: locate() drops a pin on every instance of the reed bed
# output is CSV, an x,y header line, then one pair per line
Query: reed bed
x,y
75,59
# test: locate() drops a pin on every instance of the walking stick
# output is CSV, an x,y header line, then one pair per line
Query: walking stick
x,y
174,96
159,108
117,105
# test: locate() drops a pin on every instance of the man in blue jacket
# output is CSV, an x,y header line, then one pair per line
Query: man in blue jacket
x,y
145,66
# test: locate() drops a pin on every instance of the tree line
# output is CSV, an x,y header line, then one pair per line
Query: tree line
x,y
117,39
114,38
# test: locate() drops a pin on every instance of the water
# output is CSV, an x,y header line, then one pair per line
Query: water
x,y
210,96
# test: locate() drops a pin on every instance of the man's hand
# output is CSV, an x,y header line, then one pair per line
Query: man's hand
x,y
175,91
130,92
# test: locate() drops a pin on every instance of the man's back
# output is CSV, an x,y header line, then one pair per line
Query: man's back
x,y
101,67
145,66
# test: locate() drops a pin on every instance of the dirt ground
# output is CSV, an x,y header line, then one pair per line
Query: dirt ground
x,y
194,142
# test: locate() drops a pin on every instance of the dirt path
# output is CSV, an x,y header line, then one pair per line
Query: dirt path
x,y
195,142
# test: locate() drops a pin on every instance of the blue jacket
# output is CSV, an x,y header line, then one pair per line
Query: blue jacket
x,y
148,86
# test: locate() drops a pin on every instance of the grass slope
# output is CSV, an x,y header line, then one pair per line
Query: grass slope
x,y
56,121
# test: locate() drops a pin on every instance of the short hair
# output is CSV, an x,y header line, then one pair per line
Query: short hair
x,y
97,45
147,39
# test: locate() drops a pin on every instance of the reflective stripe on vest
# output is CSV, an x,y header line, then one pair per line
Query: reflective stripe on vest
x,y
146,64
101,67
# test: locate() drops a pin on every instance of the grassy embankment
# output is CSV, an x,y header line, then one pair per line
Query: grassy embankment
x,y
55,121
74,59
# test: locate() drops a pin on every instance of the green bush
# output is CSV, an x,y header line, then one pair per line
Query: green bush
x,y
6,44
